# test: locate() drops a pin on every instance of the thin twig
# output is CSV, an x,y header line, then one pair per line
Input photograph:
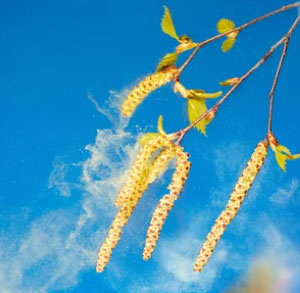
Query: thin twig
x,y
238,29
181,133
278,70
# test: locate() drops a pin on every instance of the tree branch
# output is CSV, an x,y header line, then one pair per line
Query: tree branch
x,y
285,39
238,29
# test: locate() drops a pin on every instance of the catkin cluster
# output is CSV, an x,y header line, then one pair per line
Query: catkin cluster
x,y
145,87
140,172
144,171
113,237
236,198
160,163
167,202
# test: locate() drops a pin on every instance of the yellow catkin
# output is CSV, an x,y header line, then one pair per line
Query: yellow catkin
x,y
181,173
145,87
159,164
164,206
132,191
113,237
236,198
136,181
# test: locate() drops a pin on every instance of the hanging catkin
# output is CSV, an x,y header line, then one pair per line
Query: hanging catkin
x,y
159,164
181,172
133,189
145,87
136,182
236,198
113,236
164,206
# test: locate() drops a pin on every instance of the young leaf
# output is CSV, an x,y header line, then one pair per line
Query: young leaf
x,y
184,39
186,43
168,59
282,153
195,109
144,139
280,159
167,24
159,164
228,44
201,94
225,25
293,157
283,149
160,127
229,81
184,47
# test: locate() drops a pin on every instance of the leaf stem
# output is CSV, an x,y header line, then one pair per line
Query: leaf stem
x,y
203,43
285,40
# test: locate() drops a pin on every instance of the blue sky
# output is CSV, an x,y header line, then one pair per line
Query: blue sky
x,y
63,159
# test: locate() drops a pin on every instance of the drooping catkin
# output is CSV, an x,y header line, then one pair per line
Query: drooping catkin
x,y
164,206
145,87
157,221
181,173
113,236
136,182
236,198
159,164
132,191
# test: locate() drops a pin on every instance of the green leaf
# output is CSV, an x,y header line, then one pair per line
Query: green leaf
x,y
283,149
167,60
185,39
280,159
185,46
198,94
293,157
159,164
195,109
229,82
197,91
225,25
167,24
228,44
282,153
160,127
144,139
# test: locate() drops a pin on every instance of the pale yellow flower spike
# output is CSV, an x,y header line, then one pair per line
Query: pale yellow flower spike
x,y
113,236
136,182
139,178
150,174
157,221
167,202
159,164
145,87
181,173
236,198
